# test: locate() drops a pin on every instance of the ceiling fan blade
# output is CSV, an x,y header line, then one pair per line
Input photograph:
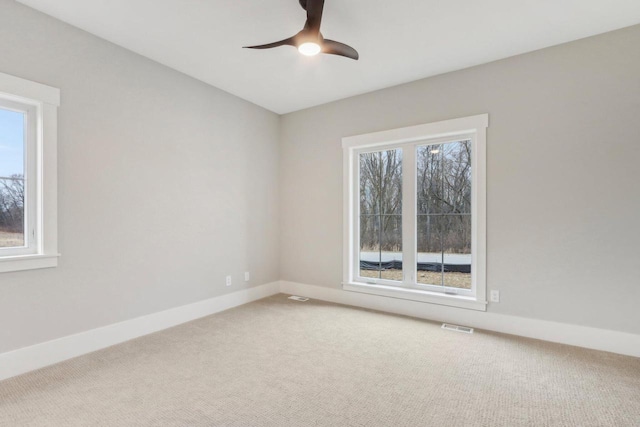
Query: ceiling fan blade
x,y
285,42
314,14
336,48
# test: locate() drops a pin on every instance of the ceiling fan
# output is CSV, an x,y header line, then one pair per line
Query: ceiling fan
x,y
309,40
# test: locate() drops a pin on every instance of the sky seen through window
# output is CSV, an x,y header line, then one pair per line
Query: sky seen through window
x,y
11,143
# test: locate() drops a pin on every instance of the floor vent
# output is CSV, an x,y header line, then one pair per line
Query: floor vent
x,y
297,298
457,328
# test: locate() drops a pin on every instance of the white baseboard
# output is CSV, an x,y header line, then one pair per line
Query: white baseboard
x,y
48,353
581,336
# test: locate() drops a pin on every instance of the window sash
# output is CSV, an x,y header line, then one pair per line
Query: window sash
x,y
31,235
409,216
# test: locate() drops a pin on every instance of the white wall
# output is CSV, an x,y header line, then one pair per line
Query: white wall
x,y
165,186
563,193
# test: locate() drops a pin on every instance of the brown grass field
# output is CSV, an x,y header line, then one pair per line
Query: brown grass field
x,y
455,280
8,240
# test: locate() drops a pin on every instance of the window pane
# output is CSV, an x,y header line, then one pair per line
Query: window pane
x,y
429,239
381,215
11,178
369,183
370,246
457,251
444,178
456,177
381,182
429,179
11,143
391,247
444,214
391,182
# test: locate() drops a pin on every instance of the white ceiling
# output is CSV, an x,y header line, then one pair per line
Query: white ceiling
x,y
399,41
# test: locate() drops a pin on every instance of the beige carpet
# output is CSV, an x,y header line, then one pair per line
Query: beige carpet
x,y
277,362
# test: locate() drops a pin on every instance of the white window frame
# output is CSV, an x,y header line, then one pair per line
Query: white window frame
x,y
40,105
408,139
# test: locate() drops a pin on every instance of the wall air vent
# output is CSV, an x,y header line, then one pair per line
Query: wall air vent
x,y
297,298
457,328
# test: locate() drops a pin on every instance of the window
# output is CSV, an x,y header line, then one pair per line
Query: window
x,y
415,213
28,220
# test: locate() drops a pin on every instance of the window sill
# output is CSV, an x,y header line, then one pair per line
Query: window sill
x,y
417,295
27,262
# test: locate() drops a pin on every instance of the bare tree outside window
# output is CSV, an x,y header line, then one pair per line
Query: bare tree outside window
x,y
415,212
381,215
444,214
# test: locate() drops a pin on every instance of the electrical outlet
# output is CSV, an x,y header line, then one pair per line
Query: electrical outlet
x,y
228,281
247,276
495,296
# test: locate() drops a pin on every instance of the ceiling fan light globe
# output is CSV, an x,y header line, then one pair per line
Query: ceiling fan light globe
x,y
309,49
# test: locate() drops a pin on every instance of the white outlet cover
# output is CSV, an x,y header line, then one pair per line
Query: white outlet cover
x,y
247,276
228,280
495,296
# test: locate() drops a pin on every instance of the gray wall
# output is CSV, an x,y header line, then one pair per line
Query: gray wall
x,y
563,194
165,185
